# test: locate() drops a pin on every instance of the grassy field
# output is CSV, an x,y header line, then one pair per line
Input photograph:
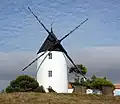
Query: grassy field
x,y
52,98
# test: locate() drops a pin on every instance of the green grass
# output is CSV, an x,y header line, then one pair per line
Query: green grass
x,y
53,98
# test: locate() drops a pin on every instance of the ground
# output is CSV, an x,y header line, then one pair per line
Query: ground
x,y
53,98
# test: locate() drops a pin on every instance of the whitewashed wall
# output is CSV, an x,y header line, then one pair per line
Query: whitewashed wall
x,y
58,66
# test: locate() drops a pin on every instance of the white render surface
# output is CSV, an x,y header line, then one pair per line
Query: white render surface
x,y
58,66
70,90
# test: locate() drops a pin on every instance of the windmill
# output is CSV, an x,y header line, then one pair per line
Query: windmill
x,y
51,61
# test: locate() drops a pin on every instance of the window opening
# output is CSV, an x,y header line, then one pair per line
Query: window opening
x,y
50,73
50,55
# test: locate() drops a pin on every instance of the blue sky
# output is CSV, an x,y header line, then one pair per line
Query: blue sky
x,y
95,44
17,25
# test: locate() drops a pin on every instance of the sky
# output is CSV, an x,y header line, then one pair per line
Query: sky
x,y
96,44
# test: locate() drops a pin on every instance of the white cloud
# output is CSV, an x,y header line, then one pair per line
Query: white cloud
x,y
11,64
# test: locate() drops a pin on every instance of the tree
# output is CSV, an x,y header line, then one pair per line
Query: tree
x,y
22,83
81,67
83,70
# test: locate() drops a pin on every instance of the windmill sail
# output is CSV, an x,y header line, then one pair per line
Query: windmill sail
x,y
74,29
33,61
39,21
52,43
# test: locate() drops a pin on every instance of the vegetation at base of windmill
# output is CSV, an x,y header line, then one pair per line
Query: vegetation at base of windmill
x,y
97,83
23,83
50,89
39,89
93,83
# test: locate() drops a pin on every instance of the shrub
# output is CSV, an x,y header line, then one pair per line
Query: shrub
x,y
22,83
39,89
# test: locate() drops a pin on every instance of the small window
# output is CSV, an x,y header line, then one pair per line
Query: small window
x,y
49,73
50,55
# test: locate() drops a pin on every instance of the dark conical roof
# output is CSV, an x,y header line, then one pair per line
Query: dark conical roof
x,y
50,40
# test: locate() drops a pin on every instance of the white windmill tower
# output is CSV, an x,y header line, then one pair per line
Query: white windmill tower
x,y
51,62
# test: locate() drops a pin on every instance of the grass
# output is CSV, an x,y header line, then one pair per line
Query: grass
x,y
53,98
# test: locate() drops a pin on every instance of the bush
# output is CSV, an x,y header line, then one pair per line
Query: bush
x,y
94,82
39,89
9,89
23,83
99,82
